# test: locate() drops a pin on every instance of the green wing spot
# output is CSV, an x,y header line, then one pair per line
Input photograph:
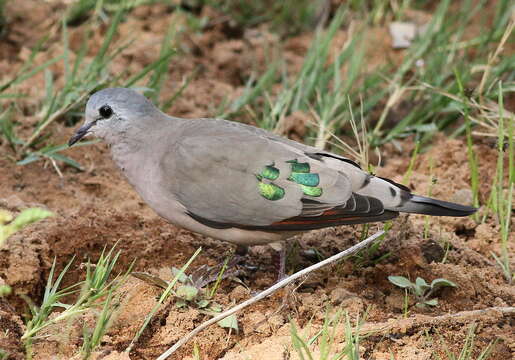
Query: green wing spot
x,y
270,172
271,191
300,173
311,191
299,167
305,179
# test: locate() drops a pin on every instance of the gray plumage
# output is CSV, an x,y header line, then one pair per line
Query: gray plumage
x,y
237,182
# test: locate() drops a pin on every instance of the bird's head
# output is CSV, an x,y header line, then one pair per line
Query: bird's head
x,y
113,113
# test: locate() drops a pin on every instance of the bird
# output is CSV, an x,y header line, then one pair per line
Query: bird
x,y
239,183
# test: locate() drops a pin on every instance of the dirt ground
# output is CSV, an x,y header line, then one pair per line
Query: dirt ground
x,y
97,207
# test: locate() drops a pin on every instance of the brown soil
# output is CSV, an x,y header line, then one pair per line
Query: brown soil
x,y
97,208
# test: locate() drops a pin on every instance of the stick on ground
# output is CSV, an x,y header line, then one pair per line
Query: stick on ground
x,y
487,316
352,250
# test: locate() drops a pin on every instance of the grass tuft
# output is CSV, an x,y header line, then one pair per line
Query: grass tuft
x,y
82,76
466,352
96,290
501,197
305,91
168,291
287,17
425,80
326,339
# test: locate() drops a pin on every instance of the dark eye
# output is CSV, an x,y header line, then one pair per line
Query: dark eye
x,y
105,111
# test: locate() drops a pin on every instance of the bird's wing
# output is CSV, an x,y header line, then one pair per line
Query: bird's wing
x,y
242,179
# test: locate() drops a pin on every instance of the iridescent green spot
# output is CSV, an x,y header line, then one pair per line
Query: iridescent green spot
x,y
300,173
311,190
299,167
305,179
270,172
271,191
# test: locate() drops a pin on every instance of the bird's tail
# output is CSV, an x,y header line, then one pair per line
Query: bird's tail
x,y
397,197
393,196
428,206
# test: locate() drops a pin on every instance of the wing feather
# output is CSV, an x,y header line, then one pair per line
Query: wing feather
x,y
228,176
237,176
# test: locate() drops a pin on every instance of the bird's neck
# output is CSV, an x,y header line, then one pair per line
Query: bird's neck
x,y
133,151
140,137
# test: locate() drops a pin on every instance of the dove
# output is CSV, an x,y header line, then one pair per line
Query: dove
x,y
239,183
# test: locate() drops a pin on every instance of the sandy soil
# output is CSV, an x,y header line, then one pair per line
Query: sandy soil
x,y
96,208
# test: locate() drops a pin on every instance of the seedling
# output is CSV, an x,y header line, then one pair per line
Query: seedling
x,y
92,338
186,293
472,156
421,289
5,290
190,292
433,181
407,176
196,352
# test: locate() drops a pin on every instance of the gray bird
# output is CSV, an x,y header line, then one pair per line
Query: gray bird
x,y
239,183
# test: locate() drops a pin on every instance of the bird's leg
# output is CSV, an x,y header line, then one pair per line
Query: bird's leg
x,y
281,251
282,263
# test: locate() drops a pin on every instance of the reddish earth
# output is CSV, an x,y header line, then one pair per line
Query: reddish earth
x,y
96,208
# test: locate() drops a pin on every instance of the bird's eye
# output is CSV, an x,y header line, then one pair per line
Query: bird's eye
x,y
105,111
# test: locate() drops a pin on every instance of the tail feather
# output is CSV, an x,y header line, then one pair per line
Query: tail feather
x,y
428,206
397,197
393,196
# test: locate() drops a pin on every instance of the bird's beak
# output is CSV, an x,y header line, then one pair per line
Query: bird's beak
x,y
80,133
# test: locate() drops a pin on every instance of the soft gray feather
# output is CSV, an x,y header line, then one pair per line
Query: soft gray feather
x,y
212,170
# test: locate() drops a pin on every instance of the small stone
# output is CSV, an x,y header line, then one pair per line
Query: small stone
x,y
499,302
239,293
338,295
276,321
402,34
257,322
395,301
432,251
310,254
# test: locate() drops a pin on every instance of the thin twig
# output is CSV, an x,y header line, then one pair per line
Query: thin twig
x,y
56,168
405,325
269,291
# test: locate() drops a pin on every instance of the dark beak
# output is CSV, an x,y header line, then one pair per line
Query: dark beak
x,y
80,133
